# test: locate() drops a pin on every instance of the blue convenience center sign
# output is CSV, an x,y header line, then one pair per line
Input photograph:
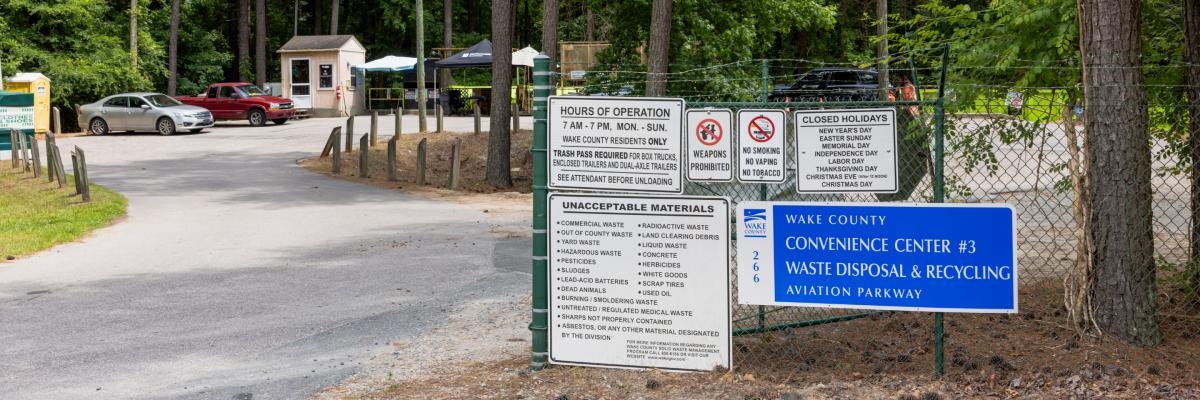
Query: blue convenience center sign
x,y
884,256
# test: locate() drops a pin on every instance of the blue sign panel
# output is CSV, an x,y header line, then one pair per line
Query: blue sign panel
x,y
916,257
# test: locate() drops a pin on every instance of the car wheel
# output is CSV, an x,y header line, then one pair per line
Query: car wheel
x,y
279,121
257,118
99,127
195,130
166,126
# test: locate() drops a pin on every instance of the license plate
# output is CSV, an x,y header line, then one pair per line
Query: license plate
x,y
206,122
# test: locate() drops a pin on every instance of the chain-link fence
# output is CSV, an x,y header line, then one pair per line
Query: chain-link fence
x,y
1005,141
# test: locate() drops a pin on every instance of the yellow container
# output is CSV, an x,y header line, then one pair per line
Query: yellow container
x,y
39,85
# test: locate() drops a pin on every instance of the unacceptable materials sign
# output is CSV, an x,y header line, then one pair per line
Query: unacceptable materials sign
x,y
639,281
846,151
760,145
710,145
882,256
630,144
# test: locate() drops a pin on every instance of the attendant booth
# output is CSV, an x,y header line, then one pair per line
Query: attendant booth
x,y
320,77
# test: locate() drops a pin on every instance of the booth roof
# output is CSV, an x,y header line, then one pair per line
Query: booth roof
x,y
477,56
318,43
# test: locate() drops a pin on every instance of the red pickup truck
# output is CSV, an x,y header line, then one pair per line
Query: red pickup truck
x,y
242,101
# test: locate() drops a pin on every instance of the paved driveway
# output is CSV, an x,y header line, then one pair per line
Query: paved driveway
x,y
236,272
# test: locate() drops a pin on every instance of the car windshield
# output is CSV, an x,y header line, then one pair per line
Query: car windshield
x,y
162,100
250,91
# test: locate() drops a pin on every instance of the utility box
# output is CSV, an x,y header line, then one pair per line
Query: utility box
x,y
39,86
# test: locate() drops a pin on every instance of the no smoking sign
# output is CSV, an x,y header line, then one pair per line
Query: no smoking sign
x,y
710,149
760,147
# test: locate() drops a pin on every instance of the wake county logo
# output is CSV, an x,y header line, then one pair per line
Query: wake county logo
x,y
755,221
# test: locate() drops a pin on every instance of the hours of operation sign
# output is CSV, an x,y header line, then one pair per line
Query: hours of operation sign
x,y
846,151
883,256
630,144
639,281
760,145
709,145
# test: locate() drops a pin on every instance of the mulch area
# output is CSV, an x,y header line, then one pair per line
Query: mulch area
x,y
437,164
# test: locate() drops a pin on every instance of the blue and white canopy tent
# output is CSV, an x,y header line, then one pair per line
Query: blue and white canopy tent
x,y
392,64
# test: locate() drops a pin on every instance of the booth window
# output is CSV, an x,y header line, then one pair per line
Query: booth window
x,y
326,75
353,77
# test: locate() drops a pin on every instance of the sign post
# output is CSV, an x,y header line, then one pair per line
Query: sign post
x,y
639,281
710,145
882,256
846,151
761,146
616,144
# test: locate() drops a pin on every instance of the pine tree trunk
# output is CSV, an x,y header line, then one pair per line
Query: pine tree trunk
x,y
1191,46
550,33
260,43
173,48
318,16
133,33
333,19
422,126
660,48
1119,187
243,56
589,33
499,145
471,17
447,23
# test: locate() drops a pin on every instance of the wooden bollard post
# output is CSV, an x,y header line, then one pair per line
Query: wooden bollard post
x,y
391,161
421,163
57,121
336,167
12,147
374,128
87,191
334,137
75,169
350,133
438,109
364,154
58,166
51,175
455,165
516,114
475,107
22,142
35,157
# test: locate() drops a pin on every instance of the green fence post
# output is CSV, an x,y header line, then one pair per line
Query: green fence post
x,y
540,324
766,83
939,196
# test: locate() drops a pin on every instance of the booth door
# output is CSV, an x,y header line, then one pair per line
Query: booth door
x,y
301,83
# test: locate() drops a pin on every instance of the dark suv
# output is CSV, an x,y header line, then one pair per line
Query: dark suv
x,y
831,84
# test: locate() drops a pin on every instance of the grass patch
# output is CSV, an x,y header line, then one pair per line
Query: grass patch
x,y
36,215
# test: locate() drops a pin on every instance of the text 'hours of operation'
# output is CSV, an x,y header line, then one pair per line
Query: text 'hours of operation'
x,y
615,144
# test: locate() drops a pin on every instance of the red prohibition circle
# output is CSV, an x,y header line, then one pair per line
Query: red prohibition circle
x,y
759,131
713,135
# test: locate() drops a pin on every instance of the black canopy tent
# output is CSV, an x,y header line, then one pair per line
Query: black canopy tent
x,y
478,56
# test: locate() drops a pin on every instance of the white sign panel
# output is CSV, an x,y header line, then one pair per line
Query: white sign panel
x,y
630,144
710,145
16,118
846,151
760,146
639,281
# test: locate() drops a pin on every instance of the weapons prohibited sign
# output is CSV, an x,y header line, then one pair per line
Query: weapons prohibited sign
x,y
710,150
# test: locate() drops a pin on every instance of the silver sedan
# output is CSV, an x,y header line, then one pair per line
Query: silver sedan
x,y
132,112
